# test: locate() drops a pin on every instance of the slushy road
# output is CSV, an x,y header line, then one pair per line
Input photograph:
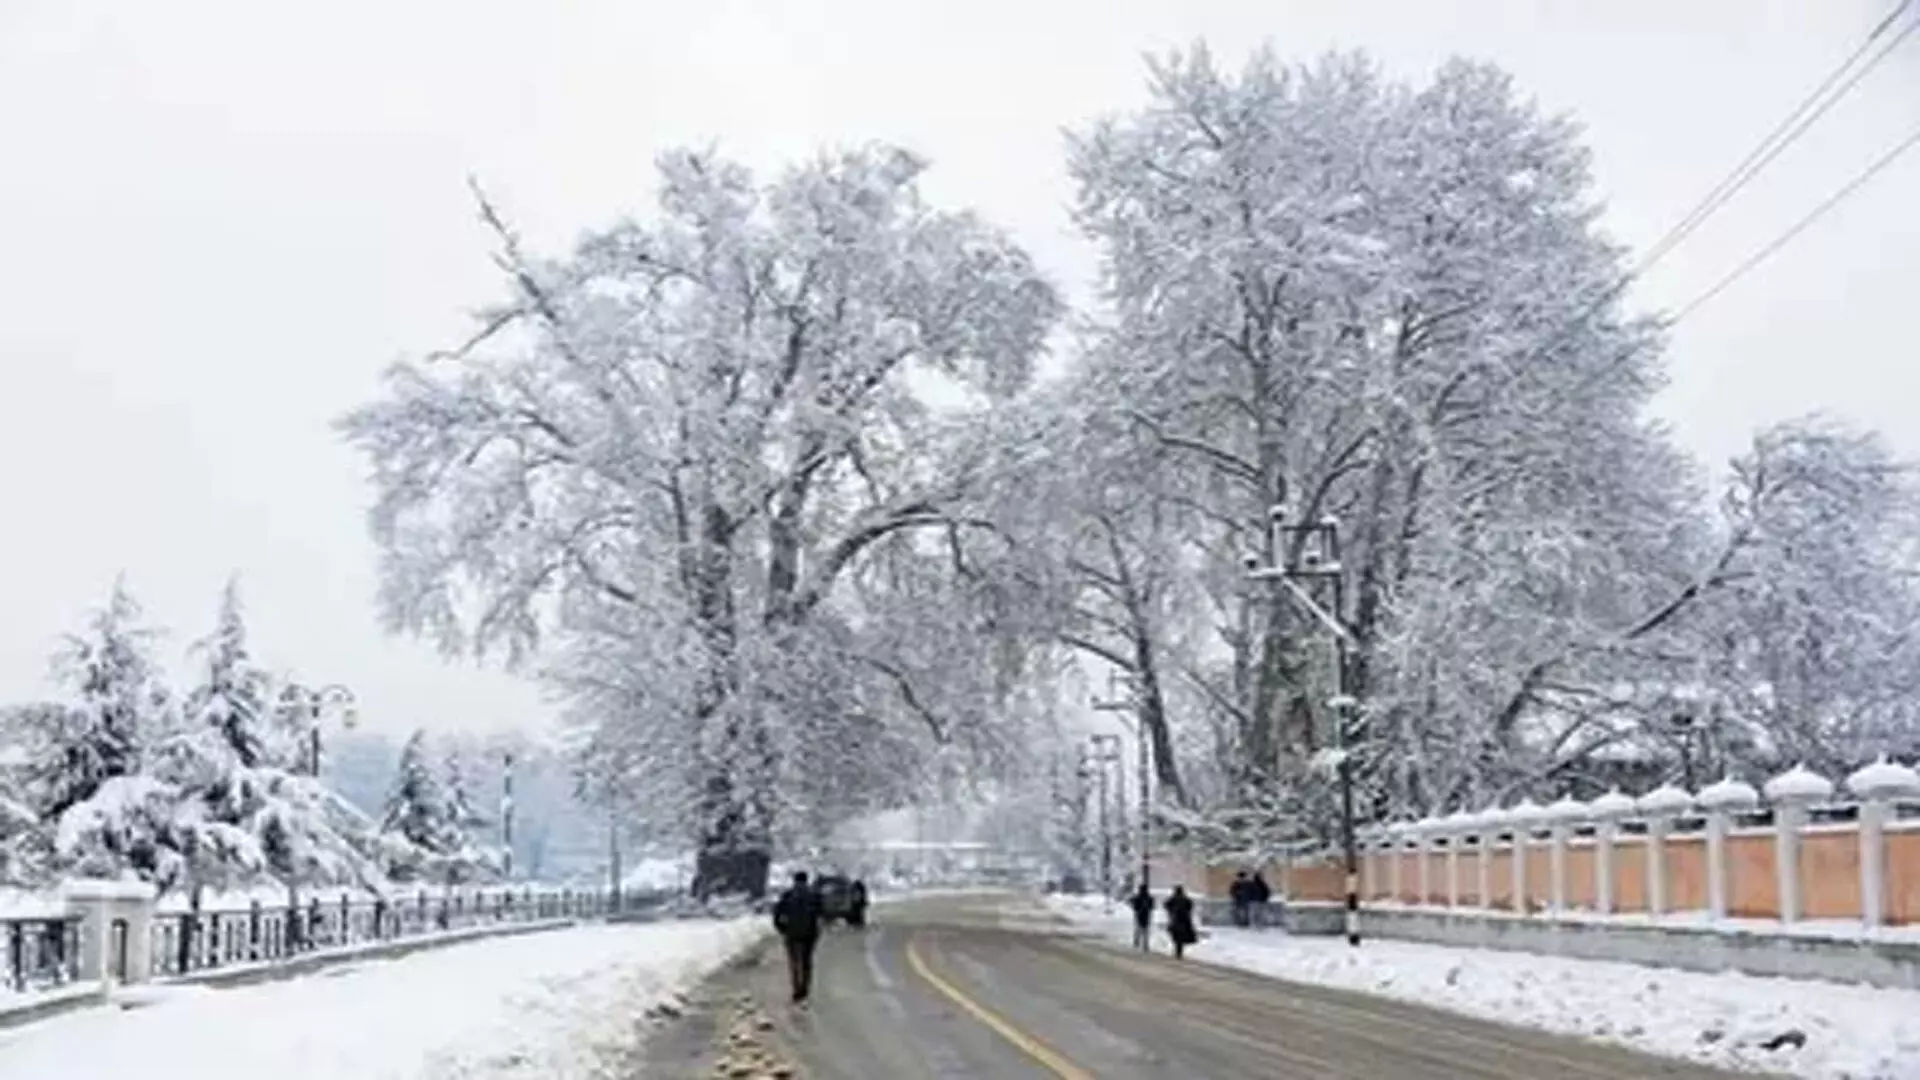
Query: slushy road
x,y
972,988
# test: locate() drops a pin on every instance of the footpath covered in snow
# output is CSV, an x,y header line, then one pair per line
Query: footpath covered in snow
x,y
1828,1031
566,1004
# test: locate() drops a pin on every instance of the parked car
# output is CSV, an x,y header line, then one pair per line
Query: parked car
x,y
836,896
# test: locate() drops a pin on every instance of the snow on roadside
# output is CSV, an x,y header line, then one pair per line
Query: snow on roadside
x,y
565,1004
1851,1032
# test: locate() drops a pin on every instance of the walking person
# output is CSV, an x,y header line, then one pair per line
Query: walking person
x,y
1180,921
796,915
857,904
1142,904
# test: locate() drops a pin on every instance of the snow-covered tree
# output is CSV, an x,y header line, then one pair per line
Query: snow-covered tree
x,y
416,812
703,428
111,673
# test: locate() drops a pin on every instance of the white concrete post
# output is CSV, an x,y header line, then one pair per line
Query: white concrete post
x,y
1423,837
1660,806
1456,835
1397,841
1721,801
1562,814
1607,810
1524,815
101,904
1878,785
1488,826
1792,793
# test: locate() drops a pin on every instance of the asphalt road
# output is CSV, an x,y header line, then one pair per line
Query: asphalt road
x,y
959,988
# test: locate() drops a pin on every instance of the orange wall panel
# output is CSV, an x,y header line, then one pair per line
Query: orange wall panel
x,y
1830,874
1753,885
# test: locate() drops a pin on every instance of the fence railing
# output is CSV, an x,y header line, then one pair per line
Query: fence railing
x,y
261,932
42,952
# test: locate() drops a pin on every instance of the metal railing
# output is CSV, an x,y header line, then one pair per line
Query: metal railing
x,y
41,952
188,942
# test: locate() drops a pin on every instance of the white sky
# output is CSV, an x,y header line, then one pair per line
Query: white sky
x,y
219,219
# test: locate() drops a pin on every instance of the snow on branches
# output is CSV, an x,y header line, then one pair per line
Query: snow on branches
x,y
662,455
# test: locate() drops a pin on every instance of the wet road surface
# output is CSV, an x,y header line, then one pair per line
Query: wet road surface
x,y
974,987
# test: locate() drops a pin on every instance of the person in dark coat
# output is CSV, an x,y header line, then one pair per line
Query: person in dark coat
x,y
1257,896
1142,905
857,904
1241,893
1180,921
796,915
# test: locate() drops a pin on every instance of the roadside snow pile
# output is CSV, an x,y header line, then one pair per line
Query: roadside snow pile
x,y
565,1004
1820,1030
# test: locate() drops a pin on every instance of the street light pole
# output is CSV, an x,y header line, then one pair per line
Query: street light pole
x,y
298,700
1310,552
1106,752
1144,782
506,812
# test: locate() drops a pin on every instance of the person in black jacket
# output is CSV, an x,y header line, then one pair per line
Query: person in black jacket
x,y
1257,896
1180,921
857,904
1142,905
796,915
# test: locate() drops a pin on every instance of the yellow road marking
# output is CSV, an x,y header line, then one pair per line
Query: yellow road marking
x,y
1025,1043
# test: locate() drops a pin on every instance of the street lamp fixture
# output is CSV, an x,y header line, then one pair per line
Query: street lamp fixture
x,y
313,706
1304,557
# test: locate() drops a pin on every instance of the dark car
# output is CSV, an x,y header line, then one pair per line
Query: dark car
x,y
836,896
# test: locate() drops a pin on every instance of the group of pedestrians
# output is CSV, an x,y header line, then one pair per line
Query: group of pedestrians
x,y
798,917
1180,928
1249,893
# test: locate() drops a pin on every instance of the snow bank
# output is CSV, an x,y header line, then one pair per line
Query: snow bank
x,y
564,1004
1851,1032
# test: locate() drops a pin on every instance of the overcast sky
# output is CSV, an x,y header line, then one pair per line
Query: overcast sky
x,y
219,219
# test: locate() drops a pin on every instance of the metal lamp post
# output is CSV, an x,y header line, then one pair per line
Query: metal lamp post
x,y
506,812
1124,705
1309,552
1106,752
313,705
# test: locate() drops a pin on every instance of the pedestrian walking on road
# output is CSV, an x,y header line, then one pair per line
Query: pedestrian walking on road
x,y
1142,904
796,915
1180,921
857,904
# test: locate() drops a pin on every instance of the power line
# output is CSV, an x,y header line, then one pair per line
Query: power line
x,y
1810,109
1860,180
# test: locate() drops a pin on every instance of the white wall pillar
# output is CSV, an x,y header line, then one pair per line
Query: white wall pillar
x,y
1717,823
1485,843
101,905
1873,862
1721,801
1659,807
1397,841
1562,815
1455,837
1793,793
1423,839
1878,785
1607,810
1524,815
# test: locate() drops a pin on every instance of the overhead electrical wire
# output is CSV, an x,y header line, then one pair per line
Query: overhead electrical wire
x,y
1835,86
1810,109
1846,190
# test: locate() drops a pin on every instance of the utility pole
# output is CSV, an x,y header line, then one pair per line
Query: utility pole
x,y
1106,752
506,809
1310,552
1129,703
